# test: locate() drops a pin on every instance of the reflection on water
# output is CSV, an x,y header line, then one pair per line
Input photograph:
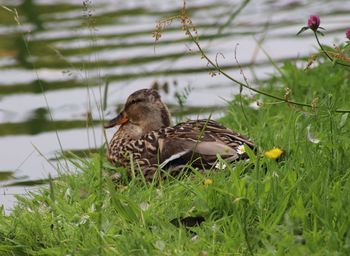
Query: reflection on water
x,y
71,51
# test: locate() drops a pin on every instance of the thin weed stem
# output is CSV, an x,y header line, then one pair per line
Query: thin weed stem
x,y
246,238
325,52
217,68
100,201
188,27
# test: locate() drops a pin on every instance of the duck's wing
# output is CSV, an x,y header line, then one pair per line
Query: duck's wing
x,y
228,136
200,142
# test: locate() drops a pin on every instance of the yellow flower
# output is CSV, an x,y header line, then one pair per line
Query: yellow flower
x,y
208,182
273,153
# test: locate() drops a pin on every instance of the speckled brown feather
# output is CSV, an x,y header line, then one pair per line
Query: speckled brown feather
x,y
157,147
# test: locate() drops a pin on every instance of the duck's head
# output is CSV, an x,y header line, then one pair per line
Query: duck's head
x,y
143,112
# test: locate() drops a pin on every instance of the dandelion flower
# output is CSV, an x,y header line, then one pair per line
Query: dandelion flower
x,y
273,153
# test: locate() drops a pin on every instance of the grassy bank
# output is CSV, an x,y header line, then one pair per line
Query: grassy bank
x,y
297,205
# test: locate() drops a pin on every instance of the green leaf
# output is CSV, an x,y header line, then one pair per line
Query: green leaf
x,y
126,208
343,119
250,153
320,33
302,30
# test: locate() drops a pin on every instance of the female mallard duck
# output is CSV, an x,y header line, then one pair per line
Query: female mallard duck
x,y
146,139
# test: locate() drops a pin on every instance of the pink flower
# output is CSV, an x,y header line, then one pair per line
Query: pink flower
x,y
313,22
347,33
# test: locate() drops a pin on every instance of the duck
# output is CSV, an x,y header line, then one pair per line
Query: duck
x,y
146,142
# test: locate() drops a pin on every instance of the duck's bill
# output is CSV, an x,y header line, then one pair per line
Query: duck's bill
x,y
121,119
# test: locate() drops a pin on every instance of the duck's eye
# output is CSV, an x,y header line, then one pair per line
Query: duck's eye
x,y
135,101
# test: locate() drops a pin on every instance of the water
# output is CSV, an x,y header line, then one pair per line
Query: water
x,y
74,51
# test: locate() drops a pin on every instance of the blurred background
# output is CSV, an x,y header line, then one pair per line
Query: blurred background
x,y
68,54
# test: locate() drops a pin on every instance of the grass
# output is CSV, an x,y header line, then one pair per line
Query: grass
x,y
297,205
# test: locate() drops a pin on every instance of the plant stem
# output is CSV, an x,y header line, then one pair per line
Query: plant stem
x,y
216,67
325,52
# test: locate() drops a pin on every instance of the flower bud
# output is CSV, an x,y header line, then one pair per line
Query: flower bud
x,y
347,33
313,22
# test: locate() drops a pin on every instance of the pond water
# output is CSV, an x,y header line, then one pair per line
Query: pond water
x,y
74,51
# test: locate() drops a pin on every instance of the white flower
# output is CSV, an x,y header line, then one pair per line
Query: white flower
x,y
220,165
240,150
